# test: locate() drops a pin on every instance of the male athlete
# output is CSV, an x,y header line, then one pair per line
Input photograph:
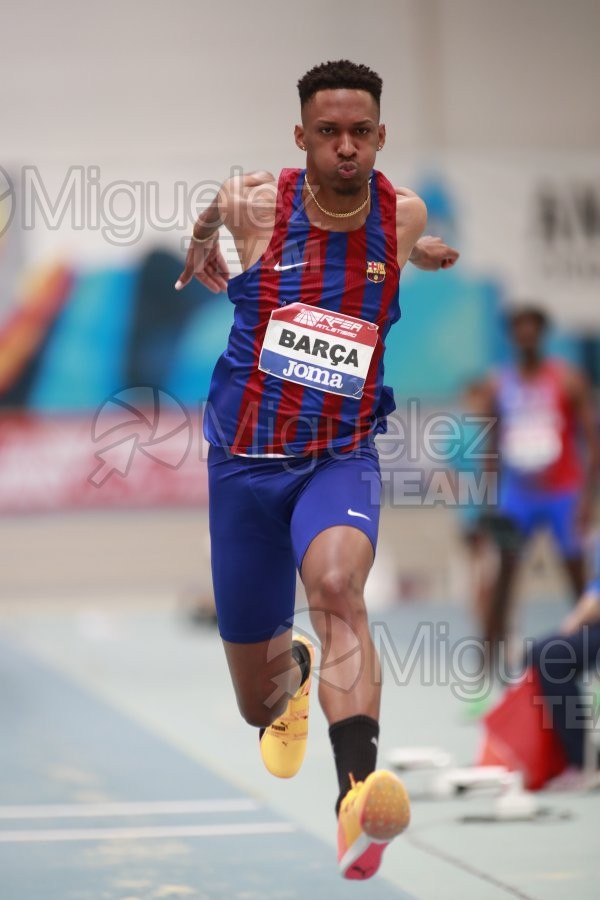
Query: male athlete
x,y
548,457
295,403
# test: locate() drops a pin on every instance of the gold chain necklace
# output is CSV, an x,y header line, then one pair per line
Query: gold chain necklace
x,y
339,215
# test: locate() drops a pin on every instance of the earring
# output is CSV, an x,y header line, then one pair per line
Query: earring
x,y
302,147
380,148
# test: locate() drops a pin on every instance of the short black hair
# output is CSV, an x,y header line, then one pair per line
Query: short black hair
x,y
338,74
528,311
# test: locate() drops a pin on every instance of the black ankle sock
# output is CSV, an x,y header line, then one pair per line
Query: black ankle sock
x,y
354,743
301,655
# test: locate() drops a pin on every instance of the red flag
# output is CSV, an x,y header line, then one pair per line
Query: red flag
x,y
519,735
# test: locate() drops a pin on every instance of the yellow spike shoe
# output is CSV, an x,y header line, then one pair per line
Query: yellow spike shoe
x,y
283,744
372,813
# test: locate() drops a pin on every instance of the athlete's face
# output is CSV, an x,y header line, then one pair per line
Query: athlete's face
x,y
527,334
341,133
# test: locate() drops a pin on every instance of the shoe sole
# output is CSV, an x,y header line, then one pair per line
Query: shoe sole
x,y
385,815
362,859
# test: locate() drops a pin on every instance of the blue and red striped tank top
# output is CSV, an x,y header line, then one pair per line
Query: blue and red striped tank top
x,y
303,368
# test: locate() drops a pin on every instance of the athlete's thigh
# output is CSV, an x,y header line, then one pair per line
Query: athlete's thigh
x,y
561,515
337,564
336,518
253,568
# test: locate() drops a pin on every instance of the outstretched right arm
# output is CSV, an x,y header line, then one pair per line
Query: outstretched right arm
x,y
204,259
245,205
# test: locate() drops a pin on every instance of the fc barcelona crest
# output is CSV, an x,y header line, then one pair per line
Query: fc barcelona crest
x,y
375,271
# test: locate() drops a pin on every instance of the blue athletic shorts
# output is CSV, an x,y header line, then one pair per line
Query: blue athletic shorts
x,y
263,515
533,509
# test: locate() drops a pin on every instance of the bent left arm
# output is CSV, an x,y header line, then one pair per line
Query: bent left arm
x,y
424,252
431,253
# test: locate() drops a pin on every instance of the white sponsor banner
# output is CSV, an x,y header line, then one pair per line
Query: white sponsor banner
x,y
529,221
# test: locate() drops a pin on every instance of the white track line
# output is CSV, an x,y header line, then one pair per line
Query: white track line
x,y
102,810
137,834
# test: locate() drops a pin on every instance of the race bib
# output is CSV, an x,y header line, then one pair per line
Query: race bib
x,y
531,444
319,349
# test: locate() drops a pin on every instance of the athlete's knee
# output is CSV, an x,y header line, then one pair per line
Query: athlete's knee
x,y
338,590
337,606
259,710
256,715
263,697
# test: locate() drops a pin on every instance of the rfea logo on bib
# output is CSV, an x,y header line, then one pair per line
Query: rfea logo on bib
x,y
320,349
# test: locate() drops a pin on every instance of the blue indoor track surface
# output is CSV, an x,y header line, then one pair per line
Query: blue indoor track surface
x,y
127,773
95,807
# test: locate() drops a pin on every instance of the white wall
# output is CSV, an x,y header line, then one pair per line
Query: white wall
x,y
520,74
185,90
215,82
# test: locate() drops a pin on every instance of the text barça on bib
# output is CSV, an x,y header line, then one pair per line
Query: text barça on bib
x,y
319,349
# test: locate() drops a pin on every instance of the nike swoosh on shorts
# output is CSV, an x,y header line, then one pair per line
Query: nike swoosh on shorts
x,y
351,512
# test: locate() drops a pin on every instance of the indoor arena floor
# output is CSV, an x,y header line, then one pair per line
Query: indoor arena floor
x,y
126,772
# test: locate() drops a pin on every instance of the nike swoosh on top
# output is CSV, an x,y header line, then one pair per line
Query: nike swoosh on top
x,y
351,512
279,268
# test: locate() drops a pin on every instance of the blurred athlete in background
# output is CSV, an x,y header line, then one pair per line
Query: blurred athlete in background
x,y
294,406
548,456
